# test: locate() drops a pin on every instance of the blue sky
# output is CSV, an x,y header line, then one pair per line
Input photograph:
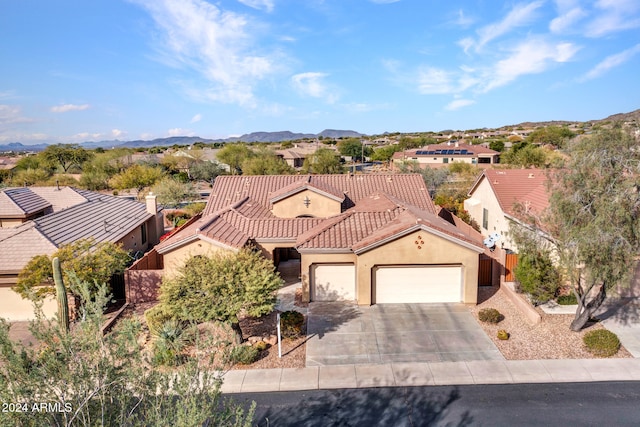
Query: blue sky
x,y
77,70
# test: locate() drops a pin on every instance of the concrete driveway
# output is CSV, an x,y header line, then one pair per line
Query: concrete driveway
x,y
342,333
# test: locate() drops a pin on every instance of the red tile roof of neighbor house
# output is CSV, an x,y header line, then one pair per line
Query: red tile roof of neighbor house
x,y
526,187
230,189
370,218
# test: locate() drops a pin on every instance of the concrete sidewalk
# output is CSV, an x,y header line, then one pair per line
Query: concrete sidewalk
x,y
431,373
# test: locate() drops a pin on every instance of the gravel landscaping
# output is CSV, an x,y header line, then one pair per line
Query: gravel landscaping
x,y
549,339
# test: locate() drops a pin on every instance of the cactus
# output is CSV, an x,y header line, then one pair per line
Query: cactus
x,y
61,295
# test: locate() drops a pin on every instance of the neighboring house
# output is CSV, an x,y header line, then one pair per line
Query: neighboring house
x,y
38,220
295,155
365,238
436,155
496,193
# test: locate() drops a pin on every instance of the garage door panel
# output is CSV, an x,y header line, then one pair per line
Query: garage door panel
x,y
334,282
418,284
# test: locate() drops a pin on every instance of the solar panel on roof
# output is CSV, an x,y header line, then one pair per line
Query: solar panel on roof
x,y
463,151
430,152
449,151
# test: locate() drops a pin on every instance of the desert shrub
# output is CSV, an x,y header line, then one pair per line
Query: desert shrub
x,y
181,222
261,346
244,354
170,339
569,299
490,315
194,209
537,276
503,335
601,343
291,323
156,317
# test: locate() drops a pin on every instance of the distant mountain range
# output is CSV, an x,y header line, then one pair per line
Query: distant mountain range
x,y
189,140
280,136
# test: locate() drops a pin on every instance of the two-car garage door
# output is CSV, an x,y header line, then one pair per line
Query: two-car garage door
x,y
417,284
391,284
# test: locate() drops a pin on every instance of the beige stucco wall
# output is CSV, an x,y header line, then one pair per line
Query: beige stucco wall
x,y
133,240
497,222
402,251
319,206
175,259
14,308
435,250
309,259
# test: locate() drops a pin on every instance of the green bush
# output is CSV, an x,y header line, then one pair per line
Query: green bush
x,y
503,335
537,276
261,346
601,343
291,323
156,317
569,299
490,315
244,355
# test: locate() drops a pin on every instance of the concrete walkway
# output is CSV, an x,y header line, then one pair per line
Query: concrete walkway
x,y
428,373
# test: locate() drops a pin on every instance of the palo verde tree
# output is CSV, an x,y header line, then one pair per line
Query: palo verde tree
x,y
222,288
593,221
234,155
66,155
91,262
136,176
323,161
354,148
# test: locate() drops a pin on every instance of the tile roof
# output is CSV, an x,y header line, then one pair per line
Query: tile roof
x,y
18,245
238,212
306,184
101,217
61,197
527,187
374,220
230,189
20,203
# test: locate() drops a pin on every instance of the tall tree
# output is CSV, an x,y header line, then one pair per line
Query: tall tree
x,y
266,163
222,288
233,155
66,155
171,192
554,135
136,176
323,161
353,148
594,217
206,171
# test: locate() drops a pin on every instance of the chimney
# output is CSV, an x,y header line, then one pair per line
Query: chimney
x,y
457,144
152,204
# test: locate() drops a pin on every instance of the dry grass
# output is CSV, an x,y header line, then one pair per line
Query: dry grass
x,y
549,339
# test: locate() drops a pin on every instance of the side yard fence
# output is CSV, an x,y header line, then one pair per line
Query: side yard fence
x,y
143,278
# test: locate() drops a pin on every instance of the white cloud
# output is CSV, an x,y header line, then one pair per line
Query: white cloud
x,y
196,118
69,107
384,1
532,56
215,43
259,4
566,20
432,81
459,103
611,62
10,114
462,20
117,133
613,16
312,84
520,15
180,132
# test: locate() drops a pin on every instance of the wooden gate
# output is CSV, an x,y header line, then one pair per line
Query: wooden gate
x,y
511,260
485,270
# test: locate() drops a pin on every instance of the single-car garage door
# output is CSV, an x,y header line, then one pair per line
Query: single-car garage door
x,y
418,284
333,282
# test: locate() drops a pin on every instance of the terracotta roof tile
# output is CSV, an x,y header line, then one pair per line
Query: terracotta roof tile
x,y
527,187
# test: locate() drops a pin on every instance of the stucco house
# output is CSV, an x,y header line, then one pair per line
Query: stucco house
x,y
370,239
437,155
496,193
38,220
